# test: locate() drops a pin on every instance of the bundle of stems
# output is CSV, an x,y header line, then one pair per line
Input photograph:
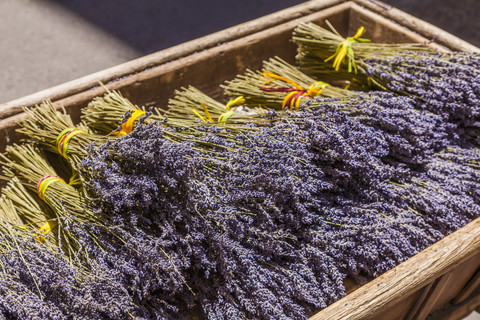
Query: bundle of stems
x,y
104,114
280,85
317,46
29,213
190,102
67,205
56,131
185,110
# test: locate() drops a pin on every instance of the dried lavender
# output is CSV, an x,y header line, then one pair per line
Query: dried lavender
x,y
145,266
445,84
271,203
37,282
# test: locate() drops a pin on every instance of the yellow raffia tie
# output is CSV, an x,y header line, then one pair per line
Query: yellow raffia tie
x,y
64,138
268,74
42,187
127,126
205,109
345,51
224,116
293,98
46,228
231,103
44,183
235,102
316,88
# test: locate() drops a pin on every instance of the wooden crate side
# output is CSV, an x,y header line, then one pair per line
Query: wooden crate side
x,y
460,276
401,309
459,311
380,294
380,29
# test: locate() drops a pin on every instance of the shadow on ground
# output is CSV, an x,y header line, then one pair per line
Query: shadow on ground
x,y
152,25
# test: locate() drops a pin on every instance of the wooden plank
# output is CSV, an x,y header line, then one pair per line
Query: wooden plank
x,y
419,302
471,286
188,48
459,311
400,309
430,301
381,293
380,29
461,276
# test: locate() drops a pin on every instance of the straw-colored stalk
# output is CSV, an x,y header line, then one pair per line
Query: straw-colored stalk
x,y
67,204
259,88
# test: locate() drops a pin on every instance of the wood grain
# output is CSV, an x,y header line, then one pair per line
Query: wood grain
x,y
378,295
471,286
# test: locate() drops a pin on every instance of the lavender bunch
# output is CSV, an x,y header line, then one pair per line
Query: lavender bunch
x,y
413,135
263,205
55,131
108,113
37,282
445,84
280,85
442,83
172,171
316,46
445,194
145,266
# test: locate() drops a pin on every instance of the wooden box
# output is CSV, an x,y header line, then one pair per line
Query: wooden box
x,y
442,281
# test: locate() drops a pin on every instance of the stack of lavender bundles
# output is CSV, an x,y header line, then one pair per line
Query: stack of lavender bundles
x,y
444,83
135,269
38,282
282,215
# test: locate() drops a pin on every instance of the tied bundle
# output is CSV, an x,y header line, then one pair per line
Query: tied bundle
x,y
36,281
442,83
277,205
233,115
144,264
55,131
65,203
317,46
114,114
280,85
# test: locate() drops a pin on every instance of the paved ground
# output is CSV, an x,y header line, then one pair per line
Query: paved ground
x,y
44,42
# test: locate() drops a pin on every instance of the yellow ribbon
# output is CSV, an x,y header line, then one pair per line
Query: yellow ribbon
x,y
64,138
46,228
272,75
345,50
294,102
127,126
44,183
292,99
316,88
224,117
234,102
